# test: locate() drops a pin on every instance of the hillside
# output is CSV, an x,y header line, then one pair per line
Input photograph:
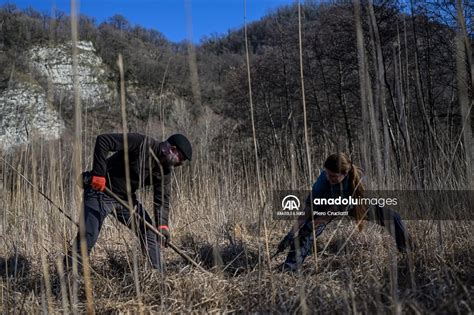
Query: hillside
x,y
389,84
418,85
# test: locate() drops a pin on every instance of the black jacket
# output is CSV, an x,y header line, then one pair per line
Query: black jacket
x,y
144,169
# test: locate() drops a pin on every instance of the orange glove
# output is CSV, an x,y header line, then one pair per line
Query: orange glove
x,y
98,183
165,231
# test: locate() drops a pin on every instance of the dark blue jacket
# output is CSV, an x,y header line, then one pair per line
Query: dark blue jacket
x,y
322,188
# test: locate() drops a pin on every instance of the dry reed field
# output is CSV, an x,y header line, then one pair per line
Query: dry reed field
x,y
222,207
217,220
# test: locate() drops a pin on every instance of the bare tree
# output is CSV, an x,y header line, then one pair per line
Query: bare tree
x,y
463,62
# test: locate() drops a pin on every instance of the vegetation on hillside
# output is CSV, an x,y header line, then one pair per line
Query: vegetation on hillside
x,y
388,82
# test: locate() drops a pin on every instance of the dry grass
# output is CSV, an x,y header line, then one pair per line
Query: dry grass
x,y
221,217
215,221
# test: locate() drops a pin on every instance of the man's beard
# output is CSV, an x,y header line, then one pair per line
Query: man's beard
x,y
167,156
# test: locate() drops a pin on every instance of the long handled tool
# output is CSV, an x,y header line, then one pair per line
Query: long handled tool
x,y
155,230
41,193
123,203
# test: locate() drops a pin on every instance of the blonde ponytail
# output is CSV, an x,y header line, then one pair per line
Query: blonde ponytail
x,y
357,191
340,163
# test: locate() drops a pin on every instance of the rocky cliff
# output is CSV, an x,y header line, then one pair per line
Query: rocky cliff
x,y
25,114
55,64
25,110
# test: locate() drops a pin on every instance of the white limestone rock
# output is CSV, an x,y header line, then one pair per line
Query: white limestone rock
x,y
55,64
25,114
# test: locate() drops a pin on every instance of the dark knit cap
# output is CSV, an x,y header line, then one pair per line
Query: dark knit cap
x,y
183,145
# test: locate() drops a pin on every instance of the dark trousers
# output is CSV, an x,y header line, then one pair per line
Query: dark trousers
x,y
302,247
97,206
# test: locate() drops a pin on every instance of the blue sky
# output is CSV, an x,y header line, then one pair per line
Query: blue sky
x,y
168,16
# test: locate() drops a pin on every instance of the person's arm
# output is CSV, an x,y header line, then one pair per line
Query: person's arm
x,y
112,142
317,191
161,202
161,199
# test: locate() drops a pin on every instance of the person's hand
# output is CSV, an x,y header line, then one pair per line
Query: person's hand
x,y
98,183
165,231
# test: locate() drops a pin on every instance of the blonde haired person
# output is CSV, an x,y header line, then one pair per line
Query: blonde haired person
x,y
339,178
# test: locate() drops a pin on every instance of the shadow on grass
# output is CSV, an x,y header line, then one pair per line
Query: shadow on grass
x,y
116,264
16,266
233,259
